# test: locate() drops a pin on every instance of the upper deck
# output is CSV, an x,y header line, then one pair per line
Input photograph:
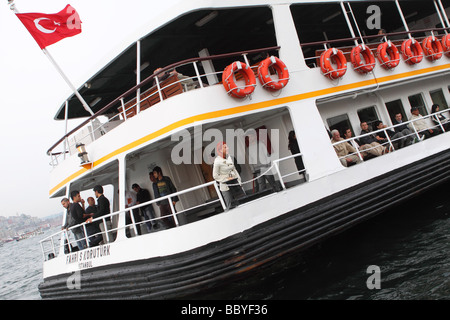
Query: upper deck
x,y
201,38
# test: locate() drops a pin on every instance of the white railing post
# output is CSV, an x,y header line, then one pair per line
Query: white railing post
x,y
86,235
197,73
105,226
389,139
219,194
172,208
276,162
132,221
159,88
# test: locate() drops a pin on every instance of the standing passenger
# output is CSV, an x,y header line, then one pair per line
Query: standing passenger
x,y
164,186
92,229
294,148
143,196
226,174
78,215
103,209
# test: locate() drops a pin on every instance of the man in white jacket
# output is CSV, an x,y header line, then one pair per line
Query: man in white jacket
x,y
226,174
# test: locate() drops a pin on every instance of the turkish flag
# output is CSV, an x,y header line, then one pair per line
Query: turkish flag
x,y
47,29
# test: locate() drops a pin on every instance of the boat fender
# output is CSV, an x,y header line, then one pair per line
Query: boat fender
x,y
230,84
388,55
446,44
432,48
412,51
362,59
264,75
336,56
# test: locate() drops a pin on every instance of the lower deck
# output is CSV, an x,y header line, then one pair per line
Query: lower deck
x,y
179,275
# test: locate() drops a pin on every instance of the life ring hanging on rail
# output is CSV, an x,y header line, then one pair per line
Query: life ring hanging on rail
x,y
432,48
446,44
326,59
362,59
230,84
280,68
412,51
388,55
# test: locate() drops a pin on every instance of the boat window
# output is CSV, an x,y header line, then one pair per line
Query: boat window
x,y
318,22
368,115
340,123
395,107
416,100
437,96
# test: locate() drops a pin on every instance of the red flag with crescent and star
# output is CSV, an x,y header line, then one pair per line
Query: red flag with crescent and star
x,y
48,29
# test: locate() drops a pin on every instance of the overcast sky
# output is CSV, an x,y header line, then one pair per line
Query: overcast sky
x,y
32,90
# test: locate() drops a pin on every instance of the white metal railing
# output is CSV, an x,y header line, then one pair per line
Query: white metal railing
x,y
95,130
390,143
62,241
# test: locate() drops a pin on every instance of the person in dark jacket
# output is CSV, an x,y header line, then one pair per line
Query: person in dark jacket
x,y
103,209
294,148
142,196
78,216
164,186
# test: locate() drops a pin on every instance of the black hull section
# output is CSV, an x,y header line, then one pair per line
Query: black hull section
x,y
190,273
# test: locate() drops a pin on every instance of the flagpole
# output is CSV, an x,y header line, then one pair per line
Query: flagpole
x,y
85,105
49,56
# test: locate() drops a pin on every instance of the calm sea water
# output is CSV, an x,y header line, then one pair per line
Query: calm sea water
x,y
410,244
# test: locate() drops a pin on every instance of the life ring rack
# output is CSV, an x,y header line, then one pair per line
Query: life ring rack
x,y
388,55
362,59
432,48
412,51
230,84
264,75
326,63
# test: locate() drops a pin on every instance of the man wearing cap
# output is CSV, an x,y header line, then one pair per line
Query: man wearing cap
x,y
420,124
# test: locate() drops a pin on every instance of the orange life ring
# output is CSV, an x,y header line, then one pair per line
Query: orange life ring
x,y
388,55
360,53
230,84
432,48
446,44
336,56
412,51
264,76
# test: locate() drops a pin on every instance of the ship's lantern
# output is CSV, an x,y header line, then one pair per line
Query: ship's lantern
x,y
82,153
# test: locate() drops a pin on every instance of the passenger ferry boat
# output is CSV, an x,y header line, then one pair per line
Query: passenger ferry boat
x,y
270,67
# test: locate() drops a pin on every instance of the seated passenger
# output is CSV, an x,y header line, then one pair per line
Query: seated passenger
x,y
397,138
403,129
346,153
186,82
367,151
420,124
371,140
439,119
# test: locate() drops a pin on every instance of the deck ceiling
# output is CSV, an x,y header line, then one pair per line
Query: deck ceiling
x,y
176,41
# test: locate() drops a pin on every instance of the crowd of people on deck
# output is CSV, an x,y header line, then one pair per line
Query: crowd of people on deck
x,y
379,140
94,230
225,172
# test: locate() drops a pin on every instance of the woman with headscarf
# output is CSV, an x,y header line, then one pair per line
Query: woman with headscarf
x,y
226,174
